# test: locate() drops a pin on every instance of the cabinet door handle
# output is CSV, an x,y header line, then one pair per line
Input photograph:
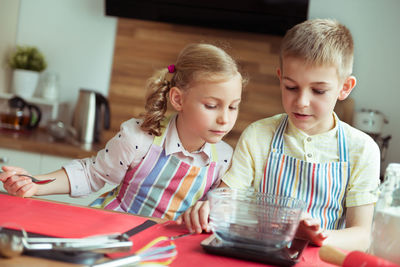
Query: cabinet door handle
x,y
4,160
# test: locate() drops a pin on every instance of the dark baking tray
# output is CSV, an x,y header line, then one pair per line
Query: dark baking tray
x,y
286,256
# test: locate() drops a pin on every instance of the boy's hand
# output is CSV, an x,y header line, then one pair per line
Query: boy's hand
x,y
309,228
196,217
17,185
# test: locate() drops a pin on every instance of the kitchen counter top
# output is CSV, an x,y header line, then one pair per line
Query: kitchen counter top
x,y
39,141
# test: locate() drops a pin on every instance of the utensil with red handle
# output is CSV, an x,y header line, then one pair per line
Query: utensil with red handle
x,y
353,258
35,180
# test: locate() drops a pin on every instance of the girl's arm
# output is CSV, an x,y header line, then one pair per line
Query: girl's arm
x,y
24,187
356,235
196,217
60,186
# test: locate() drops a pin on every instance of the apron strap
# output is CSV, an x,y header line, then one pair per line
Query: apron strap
x,y
159,140
277,141
343,150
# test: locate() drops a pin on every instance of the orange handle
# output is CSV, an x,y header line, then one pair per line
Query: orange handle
x,y
332,255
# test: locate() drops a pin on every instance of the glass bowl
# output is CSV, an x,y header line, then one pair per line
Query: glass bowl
x,y
252,219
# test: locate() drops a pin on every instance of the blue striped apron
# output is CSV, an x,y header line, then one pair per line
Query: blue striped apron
x,y
321,185
160,186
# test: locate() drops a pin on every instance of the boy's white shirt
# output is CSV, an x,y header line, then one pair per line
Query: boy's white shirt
x,y
252,150
127,149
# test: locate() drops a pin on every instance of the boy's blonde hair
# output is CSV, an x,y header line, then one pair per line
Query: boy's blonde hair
x,y
195,63
320,42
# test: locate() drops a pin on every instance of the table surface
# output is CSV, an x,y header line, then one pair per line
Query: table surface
x,y
189,250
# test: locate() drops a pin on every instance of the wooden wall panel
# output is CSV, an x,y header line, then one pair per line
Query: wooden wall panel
x,y
143,46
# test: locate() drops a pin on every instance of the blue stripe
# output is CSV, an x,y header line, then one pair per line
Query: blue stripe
x,y
316,201
278,137
308,180
274,181
332,206
299,195
338,186
149,180
284,175
329,210
189,198
335,207
325,188
283,127
266,185
293,174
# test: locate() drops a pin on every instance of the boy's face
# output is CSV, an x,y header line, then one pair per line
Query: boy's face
x,y
309,94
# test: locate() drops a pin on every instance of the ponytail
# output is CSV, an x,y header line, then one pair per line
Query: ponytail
x,y
156,102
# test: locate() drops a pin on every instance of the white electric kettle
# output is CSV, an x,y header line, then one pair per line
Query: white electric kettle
x,y
370,121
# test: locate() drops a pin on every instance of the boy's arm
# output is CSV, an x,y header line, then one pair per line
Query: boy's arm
x,y
241,174
356,235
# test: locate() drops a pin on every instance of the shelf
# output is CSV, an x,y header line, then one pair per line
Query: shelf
x,y
49,106
32,100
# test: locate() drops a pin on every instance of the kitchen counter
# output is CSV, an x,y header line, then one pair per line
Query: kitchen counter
x,y
39,141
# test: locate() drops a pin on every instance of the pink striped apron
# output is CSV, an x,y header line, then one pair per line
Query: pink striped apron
x,y
160,186
321,185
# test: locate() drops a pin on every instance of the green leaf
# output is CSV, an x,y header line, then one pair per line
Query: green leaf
x,y
27,58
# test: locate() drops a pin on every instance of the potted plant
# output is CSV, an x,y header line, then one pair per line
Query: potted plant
x,y
27,62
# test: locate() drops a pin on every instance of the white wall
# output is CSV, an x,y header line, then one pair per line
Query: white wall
x,y
375,28
8,30
76,38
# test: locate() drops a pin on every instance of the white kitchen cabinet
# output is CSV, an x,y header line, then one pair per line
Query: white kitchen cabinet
x,y
36,163
28,160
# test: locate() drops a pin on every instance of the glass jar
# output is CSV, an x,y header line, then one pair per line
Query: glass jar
x,y
386,224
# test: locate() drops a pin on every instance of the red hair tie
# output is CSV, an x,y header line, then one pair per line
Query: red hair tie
x,y
171,68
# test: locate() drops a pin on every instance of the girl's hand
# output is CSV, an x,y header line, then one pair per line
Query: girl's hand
x,y
196,217
309,228
17,185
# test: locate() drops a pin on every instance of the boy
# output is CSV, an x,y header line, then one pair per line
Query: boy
x,y
308,153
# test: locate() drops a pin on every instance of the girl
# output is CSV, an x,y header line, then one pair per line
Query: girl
x,y
161,165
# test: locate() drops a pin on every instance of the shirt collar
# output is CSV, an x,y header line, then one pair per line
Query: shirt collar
x,y
174,145
294,131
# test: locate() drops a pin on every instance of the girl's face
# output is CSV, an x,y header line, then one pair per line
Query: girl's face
x,y
207,111
309,94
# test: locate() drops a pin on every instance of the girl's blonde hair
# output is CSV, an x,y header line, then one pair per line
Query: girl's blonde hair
x,y
196,62
320,42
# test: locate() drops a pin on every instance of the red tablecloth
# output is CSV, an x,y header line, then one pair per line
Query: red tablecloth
x,y
190,252
61,220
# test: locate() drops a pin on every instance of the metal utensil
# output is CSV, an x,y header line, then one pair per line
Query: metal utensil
x,y
179,236
161,248
36,180
13,245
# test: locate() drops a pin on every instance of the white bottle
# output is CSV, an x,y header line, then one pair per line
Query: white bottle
x,y
386,225
51,86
